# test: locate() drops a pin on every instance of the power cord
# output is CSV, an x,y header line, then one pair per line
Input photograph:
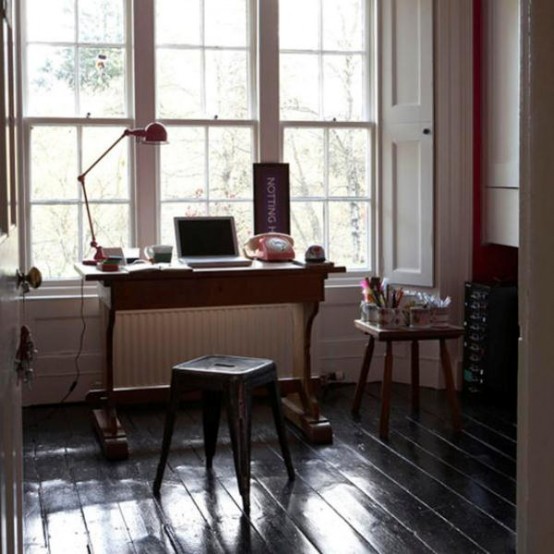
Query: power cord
x,y
76,359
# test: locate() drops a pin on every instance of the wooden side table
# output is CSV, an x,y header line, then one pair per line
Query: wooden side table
x,y
414,335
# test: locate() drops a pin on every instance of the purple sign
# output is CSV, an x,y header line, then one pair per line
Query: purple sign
x,y
271,198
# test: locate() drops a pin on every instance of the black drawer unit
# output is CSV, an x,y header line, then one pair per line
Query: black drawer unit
x,y
491,341
476,300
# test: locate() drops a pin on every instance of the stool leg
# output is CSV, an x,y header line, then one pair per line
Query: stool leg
x,y
385,393
363,376
450,389
168,431
239,414
415,375
275,398
211,411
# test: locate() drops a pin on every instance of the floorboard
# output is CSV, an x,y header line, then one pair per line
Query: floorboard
x,y
424,490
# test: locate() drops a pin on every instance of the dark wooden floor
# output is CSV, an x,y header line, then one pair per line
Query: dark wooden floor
x,y
424,490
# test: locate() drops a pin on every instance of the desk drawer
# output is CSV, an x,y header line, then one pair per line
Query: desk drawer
x,y
211,291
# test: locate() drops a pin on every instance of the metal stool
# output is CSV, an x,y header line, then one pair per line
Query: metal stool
x,y
231,378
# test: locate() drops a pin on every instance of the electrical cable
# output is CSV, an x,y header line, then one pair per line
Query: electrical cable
x,y
76,359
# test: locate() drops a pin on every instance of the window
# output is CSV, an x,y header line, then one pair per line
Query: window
x,y
327,117
76,101
85,81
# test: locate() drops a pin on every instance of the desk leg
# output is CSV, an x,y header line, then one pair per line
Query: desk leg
x,y
363,376
304,411
106,424
385,393
450,390
415,375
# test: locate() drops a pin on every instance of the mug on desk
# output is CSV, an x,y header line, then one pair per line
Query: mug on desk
x,y
159,253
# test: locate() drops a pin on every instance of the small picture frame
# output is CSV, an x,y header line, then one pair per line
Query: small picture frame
x,y
271,198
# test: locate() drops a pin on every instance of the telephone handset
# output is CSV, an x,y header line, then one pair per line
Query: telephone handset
x,y
270,247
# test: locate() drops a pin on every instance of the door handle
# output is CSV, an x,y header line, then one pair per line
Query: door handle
x,y
32,279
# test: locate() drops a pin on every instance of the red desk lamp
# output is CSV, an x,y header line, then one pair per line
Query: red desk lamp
x,y
153,133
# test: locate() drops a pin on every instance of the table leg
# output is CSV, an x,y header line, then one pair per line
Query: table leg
x,y
415,375
111,434
304,411
385,393
450,390
364,372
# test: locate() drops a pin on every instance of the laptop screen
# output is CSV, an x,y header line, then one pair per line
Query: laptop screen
x,y
205,236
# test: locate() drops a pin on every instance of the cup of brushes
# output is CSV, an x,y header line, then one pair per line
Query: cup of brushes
x,y
381,304
387,306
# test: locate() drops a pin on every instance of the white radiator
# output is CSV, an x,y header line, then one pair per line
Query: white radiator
x,y
147,344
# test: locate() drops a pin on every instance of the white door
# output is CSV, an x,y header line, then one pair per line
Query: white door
x,y
10,397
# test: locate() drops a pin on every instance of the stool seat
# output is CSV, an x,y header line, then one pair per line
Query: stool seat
x,y
230,379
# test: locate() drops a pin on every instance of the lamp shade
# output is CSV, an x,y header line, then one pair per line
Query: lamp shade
x,y
155,133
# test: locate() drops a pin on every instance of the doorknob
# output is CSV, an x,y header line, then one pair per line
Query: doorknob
x,y
33,279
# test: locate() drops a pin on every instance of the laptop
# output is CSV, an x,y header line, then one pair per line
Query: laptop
x,y
204,242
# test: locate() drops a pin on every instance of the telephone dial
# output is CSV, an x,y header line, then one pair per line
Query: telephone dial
x,y
270,247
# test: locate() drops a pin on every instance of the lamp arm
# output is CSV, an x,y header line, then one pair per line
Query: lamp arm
x,y
81,179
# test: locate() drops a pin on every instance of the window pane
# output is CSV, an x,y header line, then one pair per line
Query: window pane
x,y
299,86
55,239
60,229
243,212
226,84
303,151
343,88
343,25
111,225
349,234
53,70
102,82
174,209
230,162
329,166
348,155
226,154
226,23
299,24
205,74
54,163
179,83
50,80
110,178
183,164
178,21
50,21
101,21
307,225
324,78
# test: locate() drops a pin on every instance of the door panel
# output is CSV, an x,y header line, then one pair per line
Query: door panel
x,y
11,539
407,141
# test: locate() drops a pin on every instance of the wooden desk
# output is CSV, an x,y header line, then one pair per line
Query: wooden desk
x,y
414,335
181,287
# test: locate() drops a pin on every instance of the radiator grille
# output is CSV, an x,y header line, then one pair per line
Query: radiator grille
x,y
148,344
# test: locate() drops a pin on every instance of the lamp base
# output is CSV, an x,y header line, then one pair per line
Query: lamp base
x,y
99,255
